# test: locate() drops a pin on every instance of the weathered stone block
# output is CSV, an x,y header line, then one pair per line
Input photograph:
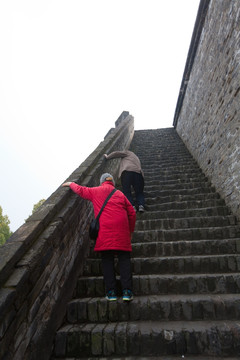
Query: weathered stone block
x,y
72,312
121,339
113,311
103,310
97,340
109,339
82,344
82,314
133,339
92,309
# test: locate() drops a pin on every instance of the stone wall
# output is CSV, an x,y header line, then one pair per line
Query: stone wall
x,y
40,263
209,119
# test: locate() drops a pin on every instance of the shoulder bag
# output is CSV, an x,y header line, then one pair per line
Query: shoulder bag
x,y
94,226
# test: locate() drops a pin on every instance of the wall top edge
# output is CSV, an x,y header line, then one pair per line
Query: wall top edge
x,y
197,31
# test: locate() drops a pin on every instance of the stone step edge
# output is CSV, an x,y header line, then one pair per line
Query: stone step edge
x,y
178,178
229,217
163,297
167,276
167,246
173,198
223,228
165,257
167,357
185,197
185,241
177,223
153,184
159,326
182,210
179,214
180,191
176,205
178,183
132,333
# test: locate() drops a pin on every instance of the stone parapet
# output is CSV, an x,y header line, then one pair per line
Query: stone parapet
x,y
40,263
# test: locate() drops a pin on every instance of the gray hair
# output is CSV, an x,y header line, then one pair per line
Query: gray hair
x,y
107,177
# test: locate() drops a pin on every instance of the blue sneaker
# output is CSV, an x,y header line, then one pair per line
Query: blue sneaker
x,y
127,295
111,295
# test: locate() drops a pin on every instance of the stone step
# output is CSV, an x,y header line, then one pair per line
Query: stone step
x,y
165,150
170,284
140,357
180,169
161,150
171,192
175,198
183,223
155,308
184,213
154,174
167,156
173,265
205,233
166,169
175,179
174,248
161,146
188,247
181,205
149,338
168,160
168,163
167,153
172,160
177,186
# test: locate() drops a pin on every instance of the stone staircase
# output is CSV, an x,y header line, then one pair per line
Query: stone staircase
x,y
185,263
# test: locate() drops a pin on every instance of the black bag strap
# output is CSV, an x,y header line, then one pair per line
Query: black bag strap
x,y
105,202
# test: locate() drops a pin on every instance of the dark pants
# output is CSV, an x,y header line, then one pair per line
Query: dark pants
x,y
131,179
124,262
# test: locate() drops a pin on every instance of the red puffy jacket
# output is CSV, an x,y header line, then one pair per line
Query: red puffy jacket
x,y
117,220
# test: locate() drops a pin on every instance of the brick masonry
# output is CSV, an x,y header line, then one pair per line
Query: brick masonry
x,y
209,122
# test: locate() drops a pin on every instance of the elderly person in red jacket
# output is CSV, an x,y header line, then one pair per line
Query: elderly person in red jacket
x,y
117,223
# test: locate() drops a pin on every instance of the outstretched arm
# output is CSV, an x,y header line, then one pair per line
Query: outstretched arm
x,y
115,154
83,191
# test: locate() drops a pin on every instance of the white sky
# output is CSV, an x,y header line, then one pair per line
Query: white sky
x,y
67,71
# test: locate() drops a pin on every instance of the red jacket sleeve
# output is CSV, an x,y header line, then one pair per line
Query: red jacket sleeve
x,y
83,191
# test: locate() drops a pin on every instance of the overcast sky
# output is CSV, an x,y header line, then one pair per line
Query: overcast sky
x,y
68,69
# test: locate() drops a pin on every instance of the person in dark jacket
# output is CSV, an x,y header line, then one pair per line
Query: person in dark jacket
x,y
117,223
131,175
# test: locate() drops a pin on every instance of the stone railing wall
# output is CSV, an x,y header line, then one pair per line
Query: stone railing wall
x,y
208,121
40,263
